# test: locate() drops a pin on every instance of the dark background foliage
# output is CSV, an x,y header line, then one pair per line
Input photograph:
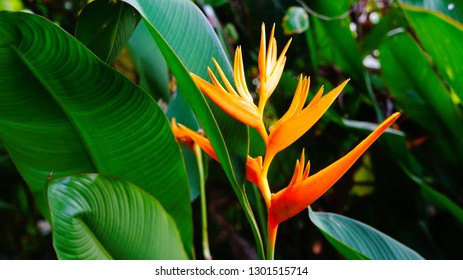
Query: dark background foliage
x,y
388,188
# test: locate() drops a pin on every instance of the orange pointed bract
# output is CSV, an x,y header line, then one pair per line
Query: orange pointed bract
x,y
304,190
297,121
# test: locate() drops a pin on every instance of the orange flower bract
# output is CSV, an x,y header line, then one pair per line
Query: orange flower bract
x,y
237,101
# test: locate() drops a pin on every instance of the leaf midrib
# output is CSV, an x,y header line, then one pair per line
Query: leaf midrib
x,y
52,94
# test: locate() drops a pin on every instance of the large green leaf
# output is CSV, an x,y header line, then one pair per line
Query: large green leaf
x,y
441,37
76,114
106,26
356,240
100,217
424,98
192,49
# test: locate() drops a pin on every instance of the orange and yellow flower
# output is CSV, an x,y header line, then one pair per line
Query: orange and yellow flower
x,y
237,101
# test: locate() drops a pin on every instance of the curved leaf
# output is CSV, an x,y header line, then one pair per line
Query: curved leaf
x,y
75,114
100,217
106,26
356,240
192,49
188,44
441,37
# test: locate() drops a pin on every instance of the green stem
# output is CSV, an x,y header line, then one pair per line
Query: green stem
x,y
261,212
202,190
379,114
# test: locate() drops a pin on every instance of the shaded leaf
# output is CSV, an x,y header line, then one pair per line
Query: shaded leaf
x,y
153,73
439,36
106,26
393,144
423,97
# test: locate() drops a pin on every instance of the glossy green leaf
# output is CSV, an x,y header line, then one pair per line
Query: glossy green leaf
x,y
356,240
151,67
441,37
101,217
192,50
76,114
105,27
228,137
451,8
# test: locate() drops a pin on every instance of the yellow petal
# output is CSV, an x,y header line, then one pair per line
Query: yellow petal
x,y
227,84
262,53
293,199
298,100
240,79
233,105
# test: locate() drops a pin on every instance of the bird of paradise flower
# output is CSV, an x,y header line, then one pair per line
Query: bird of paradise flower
x,y
237,101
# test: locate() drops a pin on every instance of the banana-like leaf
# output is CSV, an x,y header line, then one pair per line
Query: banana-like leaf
x,y
188,43
105,27
63,112
95,216
356,240
441,37
420,92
